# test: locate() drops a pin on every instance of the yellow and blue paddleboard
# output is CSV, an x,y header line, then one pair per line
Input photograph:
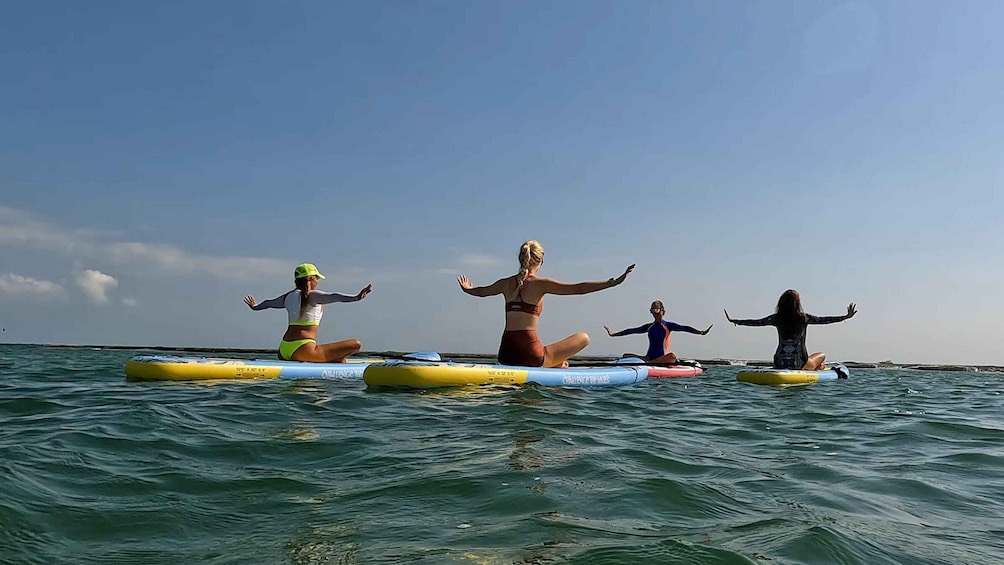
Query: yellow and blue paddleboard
x,y
422,374
178,368
792,377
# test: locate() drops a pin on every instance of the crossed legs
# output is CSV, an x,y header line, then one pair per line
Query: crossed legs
x,y
327,352
557,354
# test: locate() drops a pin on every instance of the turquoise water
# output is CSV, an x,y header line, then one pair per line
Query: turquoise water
x,y
892,466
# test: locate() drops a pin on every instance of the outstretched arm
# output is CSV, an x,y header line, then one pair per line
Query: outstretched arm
x,y
277,302
321,297
674,327
639,330
765,321
851,311
551,286
481,291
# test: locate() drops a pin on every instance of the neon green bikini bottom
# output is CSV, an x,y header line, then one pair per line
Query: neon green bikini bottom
x,y
288,348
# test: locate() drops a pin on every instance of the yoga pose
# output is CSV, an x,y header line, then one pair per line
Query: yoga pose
x,y
523,293
305,306
791,322
658,335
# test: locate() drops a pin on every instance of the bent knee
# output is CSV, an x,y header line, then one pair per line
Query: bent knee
x,y
583,337
354,344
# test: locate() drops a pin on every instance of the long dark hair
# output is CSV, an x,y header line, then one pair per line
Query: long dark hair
x,y
301,285
790,316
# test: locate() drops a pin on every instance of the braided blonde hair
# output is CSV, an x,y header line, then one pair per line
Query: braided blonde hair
x,y
530,253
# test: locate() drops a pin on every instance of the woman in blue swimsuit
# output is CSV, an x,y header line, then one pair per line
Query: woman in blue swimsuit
x,y
658,335
792,322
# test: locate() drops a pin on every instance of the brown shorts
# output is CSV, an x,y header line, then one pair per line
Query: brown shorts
x,y
521,348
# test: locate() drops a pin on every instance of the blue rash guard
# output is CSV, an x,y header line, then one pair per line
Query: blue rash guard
x,y
658,336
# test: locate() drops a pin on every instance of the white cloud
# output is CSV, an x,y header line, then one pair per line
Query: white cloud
x,y
22,229
472,262
96,285
12,284
476,261
176,260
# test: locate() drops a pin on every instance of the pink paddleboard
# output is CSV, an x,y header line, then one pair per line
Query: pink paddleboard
x,y
673,371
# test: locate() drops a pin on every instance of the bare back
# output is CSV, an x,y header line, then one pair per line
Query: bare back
x,y
520,300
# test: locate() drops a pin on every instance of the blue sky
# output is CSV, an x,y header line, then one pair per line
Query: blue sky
x,y
159,162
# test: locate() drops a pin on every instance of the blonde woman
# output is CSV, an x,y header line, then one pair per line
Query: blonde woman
x,y
305,306
523,294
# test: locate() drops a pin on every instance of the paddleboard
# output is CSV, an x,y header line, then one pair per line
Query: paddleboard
x,y
670,371
684,369
421,374
182,368
833,372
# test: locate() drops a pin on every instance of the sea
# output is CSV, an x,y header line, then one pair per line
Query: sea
x,y
892,466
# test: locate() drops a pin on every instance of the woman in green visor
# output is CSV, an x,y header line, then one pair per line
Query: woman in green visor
x,y
305,306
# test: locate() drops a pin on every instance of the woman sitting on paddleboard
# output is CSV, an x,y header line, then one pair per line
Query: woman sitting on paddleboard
x,y
304,304
791,323
523,293
658,335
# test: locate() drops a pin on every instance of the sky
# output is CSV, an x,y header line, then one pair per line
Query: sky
x,y
159,161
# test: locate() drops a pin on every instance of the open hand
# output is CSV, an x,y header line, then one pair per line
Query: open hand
x,y
464,282
362,293
609,333
851,310
705,332
250,301
627,272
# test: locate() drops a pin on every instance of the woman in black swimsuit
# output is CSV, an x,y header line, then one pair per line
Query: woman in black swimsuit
x,y
791,323
523,293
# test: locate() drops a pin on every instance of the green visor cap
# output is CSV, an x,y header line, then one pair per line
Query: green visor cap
x,y
304,270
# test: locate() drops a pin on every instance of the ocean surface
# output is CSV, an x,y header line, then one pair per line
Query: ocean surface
x,y
892,466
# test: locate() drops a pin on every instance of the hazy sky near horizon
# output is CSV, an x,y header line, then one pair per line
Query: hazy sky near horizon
x,y
160,161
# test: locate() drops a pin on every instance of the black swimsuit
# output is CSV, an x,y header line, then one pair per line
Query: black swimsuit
x,y
791,352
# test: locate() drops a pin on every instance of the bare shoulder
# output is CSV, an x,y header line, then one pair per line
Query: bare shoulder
x,y
539,286
501,286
